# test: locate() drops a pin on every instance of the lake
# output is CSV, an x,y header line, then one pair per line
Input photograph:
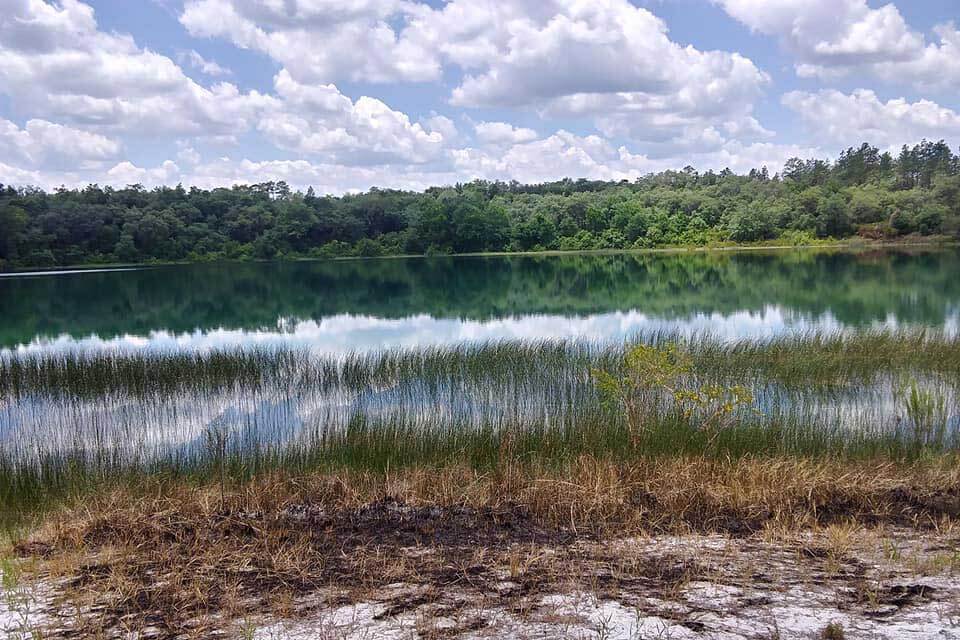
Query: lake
x,y
121,367
358,305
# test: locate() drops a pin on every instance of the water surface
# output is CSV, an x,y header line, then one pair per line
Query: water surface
x,y
356,305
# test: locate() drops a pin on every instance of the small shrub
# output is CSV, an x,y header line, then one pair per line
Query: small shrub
x,y
833,631
652,373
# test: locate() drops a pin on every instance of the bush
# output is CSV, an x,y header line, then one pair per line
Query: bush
x,y
749,224
367,248
652,374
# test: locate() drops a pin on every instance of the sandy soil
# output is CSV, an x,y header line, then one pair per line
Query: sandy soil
x,y
848,582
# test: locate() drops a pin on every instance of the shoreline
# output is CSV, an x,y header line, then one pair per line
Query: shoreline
x,y
849,244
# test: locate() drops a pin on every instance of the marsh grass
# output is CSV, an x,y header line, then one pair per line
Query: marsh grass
x,y
794,360
73,424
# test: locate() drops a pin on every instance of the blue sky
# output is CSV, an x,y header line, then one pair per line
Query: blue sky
x,y
402,93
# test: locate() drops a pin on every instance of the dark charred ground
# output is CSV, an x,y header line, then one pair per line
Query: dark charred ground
x,y
184,574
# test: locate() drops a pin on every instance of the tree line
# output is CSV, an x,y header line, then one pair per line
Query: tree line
x,y
863,192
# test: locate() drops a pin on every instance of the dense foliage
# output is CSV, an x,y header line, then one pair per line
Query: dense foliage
x,y
864,191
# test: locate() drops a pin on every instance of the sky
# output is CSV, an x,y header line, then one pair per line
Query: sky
x,y
345,95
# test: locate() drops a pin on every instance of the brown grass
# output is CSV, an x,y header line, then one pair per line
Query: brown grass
x,y
178,557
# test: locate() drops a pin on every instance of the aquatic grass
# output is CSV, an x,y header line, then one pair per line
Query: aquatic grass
x,y
27,491
74,423
798,359
820,359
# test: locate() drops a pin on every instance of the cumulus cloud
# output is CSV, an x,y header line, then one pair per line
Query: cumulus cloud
x,y
602,57
601,47
204,66
562,154
842,118
187,154
565,154
58,64
831,38
299,174
318,40
318,119
78,95
442,125
613,62
126,172
40,142
500,133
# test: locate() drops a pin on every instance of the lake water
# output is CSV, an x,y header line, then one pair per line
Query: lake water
x,y
327,310
357,305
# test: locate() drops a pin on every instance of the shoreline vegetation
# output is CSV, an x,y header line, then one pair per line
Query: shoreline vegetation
x,y
863,194
852,244
639,473
842,395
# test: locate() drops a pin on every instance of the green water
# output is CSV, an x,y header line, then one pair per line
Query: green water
x,y
358,304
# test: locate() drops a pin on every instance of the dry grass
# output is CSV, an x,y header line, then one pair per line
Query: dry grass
x,y
180,558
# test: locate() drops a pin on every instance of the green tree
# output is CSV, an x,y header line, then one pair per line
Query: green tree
x,y
13,219
833,219
749,223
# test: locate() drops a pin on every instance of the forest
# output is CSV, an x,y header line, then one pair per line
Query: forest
x,y
863,192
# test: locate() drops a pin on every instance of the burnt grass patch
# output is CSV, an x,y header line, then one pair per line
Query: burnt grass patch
x,y
175,574
185,560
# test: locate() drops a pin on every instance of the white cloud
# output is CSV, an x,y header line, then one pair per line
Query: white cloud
x,y
18,176
299,174
613,62
937,67
499,133
830,31
742,157
40,142
204,66
57,63
442,125
702,112
187,154
317,40
604,59
832,38
846,119
126,172
561,155
601,47
654,103
318,119
564,154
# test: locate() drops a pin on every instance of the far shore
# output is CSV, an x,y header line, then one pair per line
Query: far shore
x,y
848,244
